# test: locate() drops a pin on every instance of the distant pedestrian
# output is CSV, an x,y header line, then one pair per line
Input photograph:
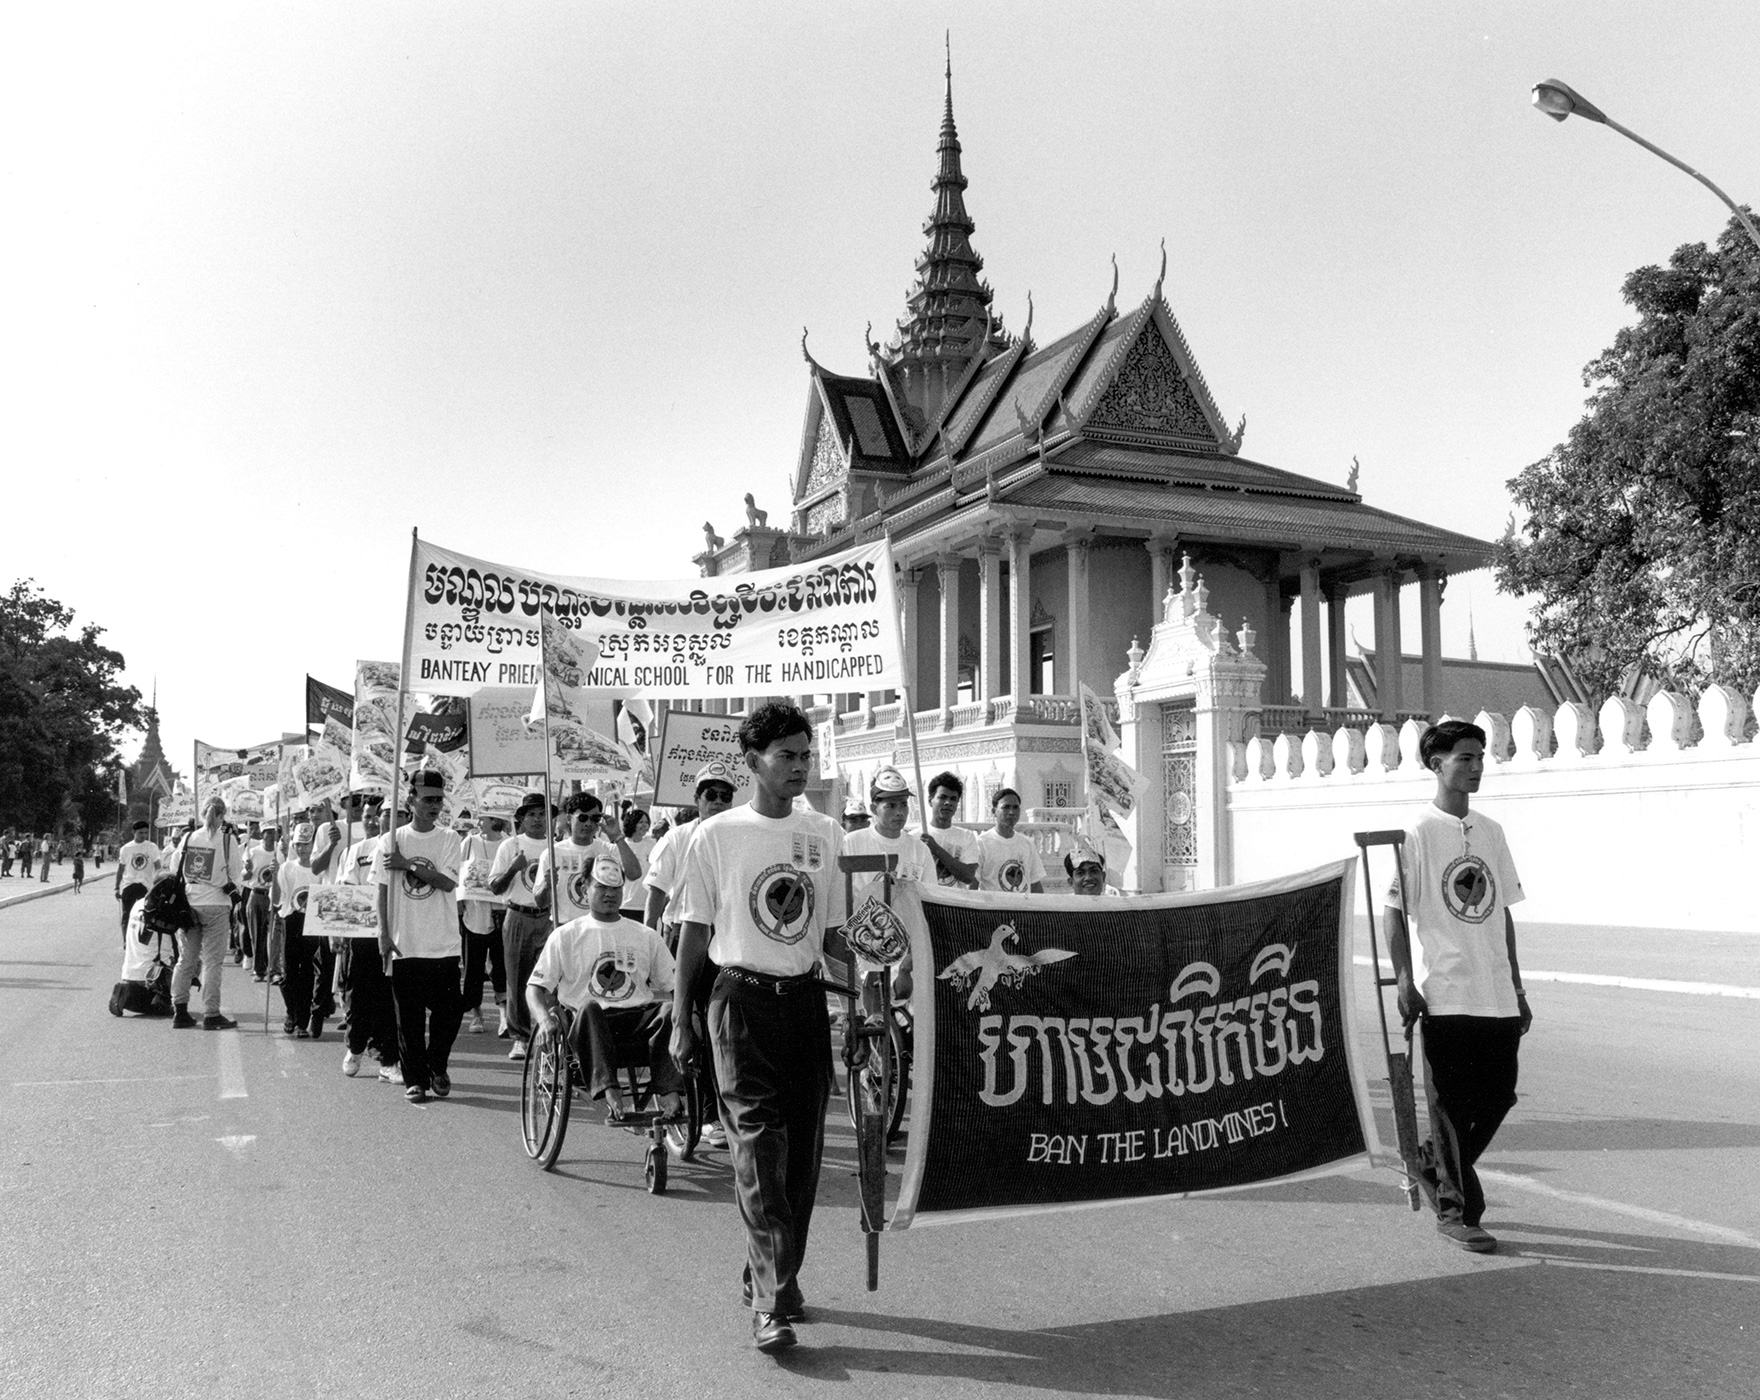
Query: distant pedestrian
x,y
44,852
79,870
211,865
138,865
1464,983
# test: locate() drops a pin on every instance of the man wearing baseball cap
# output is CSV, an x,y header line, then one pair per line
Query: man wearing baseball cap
x,y
617,975
855,815
416,868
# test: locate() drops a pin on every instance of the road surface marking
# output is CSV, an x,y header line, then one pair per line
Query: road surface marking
x,y
237,1142
231,1068
141,1079
1634,984
1654,1217
1558,1263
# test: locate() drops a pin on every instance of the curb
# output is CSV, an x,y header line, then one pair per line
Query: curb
x,y
43,892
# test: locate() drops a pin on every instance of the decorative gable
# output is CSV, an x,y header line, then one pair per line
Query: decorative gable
x,y
827,467
1150,394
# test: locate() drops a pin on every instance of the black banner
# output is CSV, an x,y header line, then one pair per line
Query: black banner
x,y
324,701
1087,1050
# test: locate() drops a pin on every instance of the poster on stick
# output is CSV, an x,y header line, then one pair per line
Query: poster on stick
x,y
373,749
687,741
831,624
238,775
1074,1052
342,911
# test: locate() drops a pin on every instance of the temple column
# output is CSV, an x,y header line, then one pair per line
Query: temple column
x,y
911,608
1387,646
1274,641
1161,548
1338,693
1430,582
1312,700
947,570
1077,543
989,620
1020,611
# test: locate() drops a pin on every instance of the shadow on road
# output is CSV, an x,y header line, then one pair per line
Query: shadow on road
x,y
1560,1311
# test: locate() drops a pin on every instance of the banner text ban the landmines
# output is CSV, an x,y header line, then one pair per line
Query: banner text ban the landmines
x,y
1172,1053
1115,1149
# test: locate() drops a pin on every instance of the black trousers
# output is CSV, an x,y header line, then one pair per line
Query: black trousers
x,y
259,921
429,1008
300,957
484,953
773,1060
609,1036
1469,1085
372,1010
522,937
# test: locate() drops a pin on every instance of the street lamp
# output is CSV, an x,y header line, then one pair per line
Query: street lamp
x,y
1560,100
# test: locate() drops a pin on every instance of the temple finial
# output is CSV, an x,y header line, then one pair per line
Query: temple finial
x,y
807,354
1112,296
1161,276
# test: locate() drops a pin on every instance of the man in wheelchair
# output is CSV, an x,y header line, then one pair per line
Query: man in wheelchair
x,y
616,976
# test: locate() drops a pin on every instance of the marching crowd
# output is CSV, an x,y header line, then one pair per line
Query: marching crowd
x,y
722,928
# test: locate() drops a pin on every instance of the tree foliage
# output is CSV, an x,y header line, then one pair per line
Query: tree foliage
x,y
61,713
1641,542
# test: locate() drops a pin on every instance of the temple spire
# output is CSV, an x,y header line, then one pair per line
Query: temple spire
x,y
948,306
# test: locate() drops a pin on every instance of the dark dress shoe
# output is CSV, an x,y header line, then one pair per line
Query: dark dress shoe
x,y
790,1307
219,1023
181,1020
317,1028
771,1333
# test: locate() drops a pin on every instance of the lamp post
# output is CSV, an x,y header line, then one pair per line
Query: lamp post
x,y
1560,100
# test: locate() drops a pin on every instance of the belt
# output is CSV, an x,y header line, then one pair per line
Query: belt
x,y
531,911
768,982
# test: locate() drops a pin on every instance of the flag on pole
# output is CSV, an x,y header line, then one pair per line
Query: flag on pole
x,y
577,750
122,787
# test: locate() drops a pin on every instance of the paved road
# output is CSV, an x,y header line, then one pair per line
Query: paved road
x,y
219,1214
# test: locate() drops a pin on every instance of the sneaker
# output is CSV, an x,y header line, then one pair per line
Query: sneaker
x,y
416,1094
351,1063
475,1025
713,1135
391,1074
442,1083
518,1052
1471,1238
258,977
506,1030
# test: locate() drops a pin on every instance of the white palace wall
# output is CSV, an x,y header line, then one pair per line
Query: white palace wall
x,y
1629,818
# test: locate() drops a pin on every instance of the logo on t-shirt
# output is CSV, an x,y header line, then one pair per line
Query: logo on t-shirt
x,y
1012,875
1469,890
414,888
782,902
580,886
137,862
300,896
613,977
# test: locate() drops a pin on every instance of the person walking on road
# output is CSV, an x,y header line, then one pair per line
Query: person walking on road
x,y
418,936
212,865
523,931
1463,985
369,1011
765,878
292,887
137,867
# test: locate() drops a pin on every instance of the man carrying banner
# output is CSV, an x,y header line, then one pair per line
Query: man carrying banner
x,y
514,876
259,918
1455,874
765,877
137,867
418,935
1008,861
954,848
211,865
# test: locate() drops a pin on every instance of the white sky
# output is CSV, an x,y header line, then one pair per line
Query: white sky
x,y
283,281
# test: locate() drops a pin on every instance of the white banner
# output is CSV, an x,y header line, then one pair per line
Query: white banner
x,y
374,745
238,775
829,625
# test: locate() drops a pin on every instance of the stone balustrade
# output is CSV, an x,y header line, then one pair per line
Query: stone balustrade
x,y
1669,728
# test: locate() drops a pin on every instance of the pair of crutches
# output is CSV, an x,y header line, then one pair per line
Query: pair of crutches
x,y
1399,1062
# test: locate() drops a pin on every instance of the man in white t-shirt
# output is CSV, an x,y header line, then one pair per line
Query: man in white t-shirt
x,y
260,860
955,850
514,876
714,791
416,869
145,984
765,878
890,797
586,842
137,867
1455,878
481,920
1086,869
617,976
292,882
1008,861
212,865
369,1011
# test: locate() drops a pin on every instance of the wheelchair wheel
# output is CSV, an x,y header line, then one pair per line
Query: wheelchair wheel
x,y
899,1035
682,1138
654,1169
544,1098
